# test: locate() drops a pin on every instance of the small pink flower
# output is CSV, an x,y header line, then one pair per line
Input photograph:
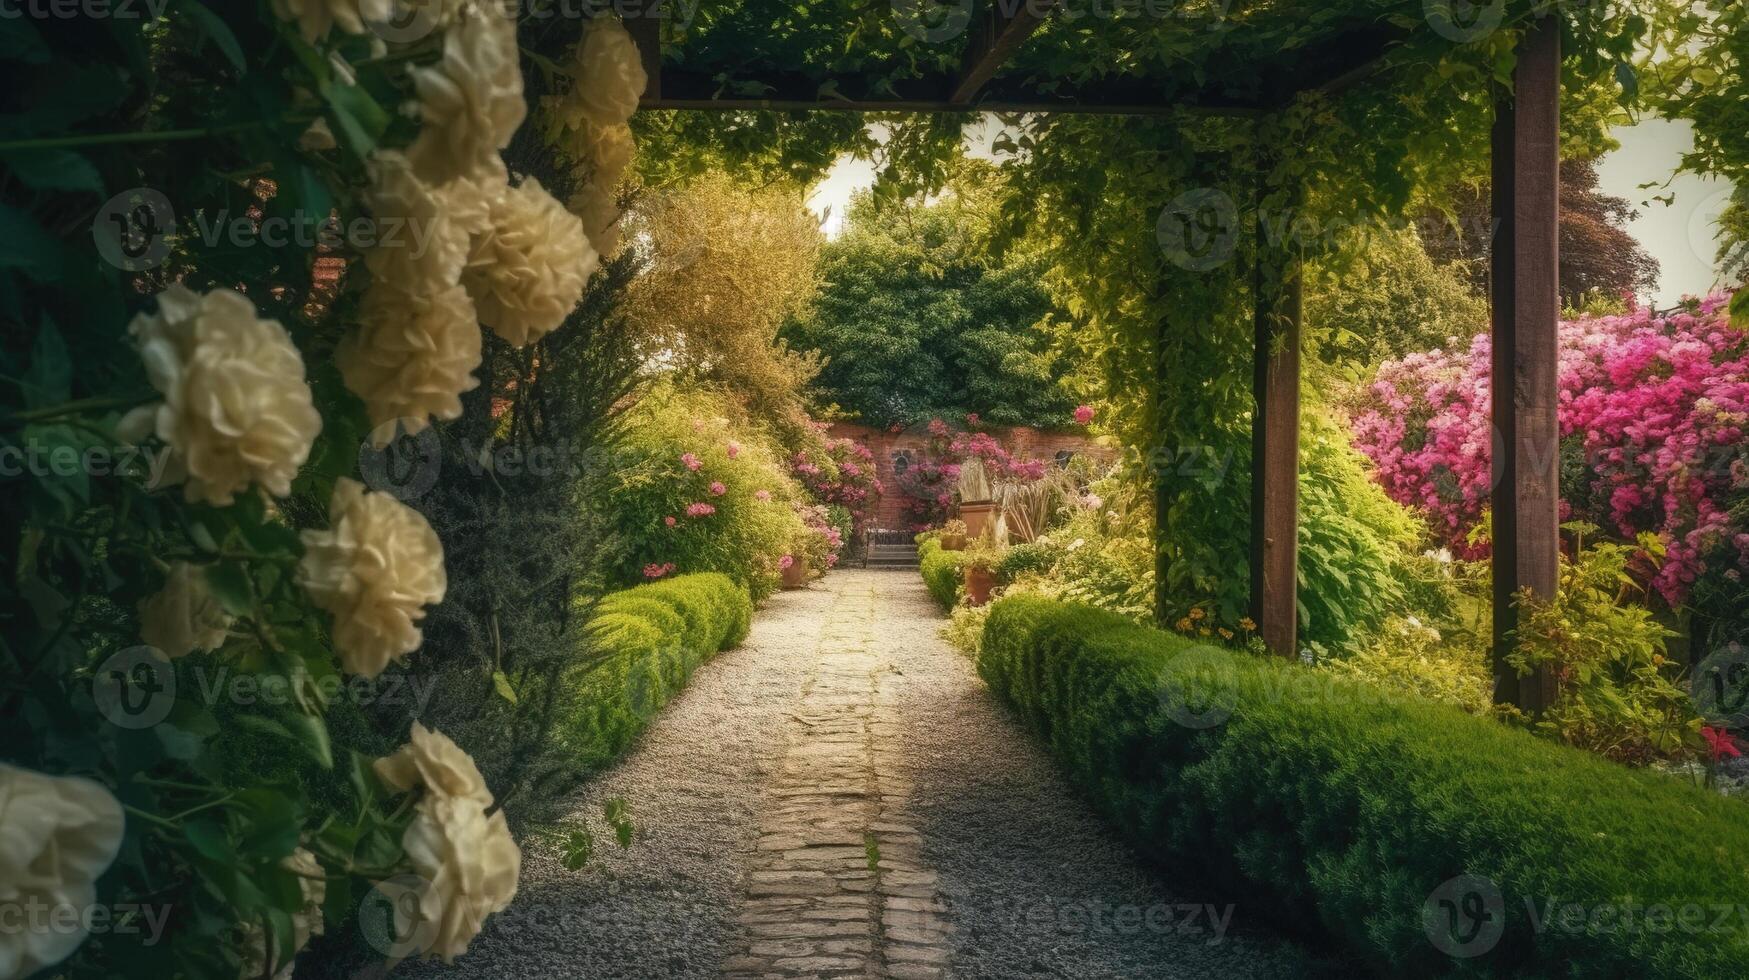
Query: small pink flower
x,y
717,488
763,496
786,561
653,570
700,509
1083,414
972,418
692,462
669,520
734,449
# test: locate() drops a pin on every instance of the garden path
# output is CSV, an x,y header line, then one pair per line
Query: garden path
x,y
842,796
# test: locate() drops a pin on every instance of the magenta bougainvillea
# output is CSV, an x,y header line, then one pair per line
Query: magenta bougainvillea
x,y
1653,415
928,485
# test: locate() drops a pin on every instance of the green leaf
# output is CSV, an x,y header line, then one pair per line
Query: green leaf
x,y
229,581
209,840
502,684
358,120
50,377
53,170
214,29
312,733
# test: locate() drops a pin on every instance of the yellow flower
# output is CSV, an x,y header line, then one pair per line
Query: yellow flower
x,y
1247,624
1203,631
1183,625
1196,613
1226,634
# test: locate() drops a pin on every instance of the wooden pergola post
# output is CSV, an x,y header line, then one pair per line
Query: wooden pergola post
x,y
1275,439
1526,318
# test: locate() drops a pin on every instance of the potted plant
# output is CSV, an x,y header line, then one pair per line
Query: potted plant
x,y
979,566
794,569
953,535
975,504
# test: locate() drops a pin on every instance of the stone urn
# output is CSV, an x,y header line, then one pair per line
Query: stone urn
x,y
979,582
796,575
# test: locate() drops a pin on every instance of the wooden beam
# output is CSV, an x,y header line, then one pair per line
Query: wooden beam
x,y
1275,443
1006,23
1526,317
793,91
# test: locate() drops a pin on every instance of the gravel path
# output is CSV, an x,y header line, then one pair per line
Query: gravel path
x,y
988,866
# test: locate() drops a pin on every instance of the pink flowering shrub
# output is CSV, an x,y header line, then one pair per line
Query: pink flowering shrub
x,y
929,484
1084,415
688,490
841,472
1654,412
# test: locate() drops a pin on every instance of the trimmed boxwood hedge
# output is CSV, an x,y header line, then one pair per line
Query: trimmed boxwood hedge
x,y
1340,808
642,645
943,571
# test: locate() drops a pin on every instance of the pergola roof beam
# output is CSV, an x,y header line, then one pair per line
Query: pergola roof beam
x,y
1005,25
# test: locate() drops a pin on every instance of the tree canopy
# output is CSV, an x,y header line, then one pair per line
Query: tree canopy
x,y
918,315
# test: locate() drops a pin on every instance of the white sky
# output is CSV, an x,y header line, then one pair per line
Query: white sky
x,y
1679,235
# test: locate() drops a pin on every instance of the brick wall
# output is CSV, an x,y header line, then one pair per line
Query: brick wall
x,y
888,446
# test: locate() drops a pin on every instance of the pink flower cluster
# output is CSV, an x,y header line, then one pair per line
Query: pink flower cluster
x,y
1084,415
855,486
1654,413
655,570
929,483
692,461
786,562
700,509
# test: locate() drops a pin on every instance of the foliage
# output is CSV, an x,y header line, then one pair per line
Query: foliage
x,y
1616,690
1387,299
1027,558
931,483
639,648
1652,415
841,472
916,318
724,266
687,490
1339,807
943,572
964,629
821,542
1702,79
1598,255
1405,654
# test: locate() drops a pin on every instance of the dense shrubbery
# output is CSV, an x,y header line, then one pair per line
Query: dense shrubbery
x,y
1344,808
1653,416
930,484
640,647
942,571
692,491
841,472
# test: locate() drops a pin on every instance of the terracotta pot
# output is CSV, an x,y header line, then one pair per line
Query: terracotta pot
x,y
796,575
979,582
977,518
953,542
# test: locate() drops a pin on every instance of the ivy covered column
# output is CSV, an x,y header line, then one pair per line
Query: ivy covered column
x,y
1526,318
1275,433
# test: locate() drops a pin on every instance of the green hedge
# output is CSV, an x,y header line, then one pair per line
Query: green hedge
x,y
1339,808
942,571
642,645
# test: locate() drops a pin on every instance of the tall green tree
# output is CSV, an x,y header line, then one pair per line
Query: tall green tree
x,y
920,315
